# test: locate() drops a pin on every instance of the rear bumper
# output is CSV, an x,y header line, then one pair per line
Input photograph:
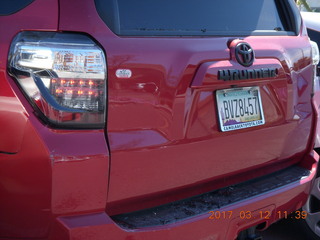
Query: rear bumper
x,y
229,220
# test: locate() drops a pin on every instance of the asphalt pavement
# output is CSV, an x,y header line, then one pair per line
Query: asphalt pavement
x,y
288,229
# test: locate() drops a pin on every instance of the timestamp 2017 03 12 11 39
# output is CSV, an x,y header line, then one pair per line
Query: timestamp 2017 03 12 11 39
x,y
216,215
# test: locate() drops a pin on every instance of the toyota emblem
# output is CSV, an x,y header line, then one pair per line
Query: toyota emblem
x,y
244,54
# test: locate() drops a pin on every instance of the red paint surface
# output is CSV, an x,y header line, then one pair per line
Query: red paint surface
x,y
100,225
162,131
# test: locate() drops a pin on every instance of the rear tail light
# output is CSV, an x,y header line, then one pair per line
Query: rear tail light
x,y
63,75
315,62
315,53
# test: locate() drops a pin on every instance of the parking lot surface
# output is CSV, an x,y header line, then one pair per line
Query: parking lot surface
x,y
286,229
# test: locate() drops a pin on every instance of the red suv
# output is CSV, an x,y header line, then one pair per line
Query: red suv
x,y
153,120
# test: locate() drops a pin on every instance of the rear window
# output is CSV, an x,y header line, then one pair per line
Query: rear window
x,y
9,7
194,18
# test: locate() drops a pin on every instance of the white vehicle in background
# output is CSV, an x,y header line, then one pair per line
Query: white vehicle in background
x,y
312,21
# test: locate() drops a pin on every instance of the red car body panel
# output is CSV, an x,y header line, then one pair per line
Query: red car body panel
x,y
158,124
43,21
162,142
36,164
98,226
25,177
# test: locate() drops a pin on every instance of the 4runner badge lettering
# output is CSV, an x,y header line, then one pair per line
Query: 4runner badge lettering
x,y
244,55
234,74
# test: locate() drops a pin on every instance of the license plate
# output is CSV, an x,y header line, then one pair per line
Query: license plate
x,y
239,108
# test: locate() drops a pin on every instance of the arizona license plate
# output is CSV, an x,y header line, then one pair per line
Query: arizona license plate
x,y
239,108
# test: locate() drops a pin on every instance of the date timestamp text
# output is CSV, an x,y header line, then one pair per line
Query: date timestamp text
x,y
216,215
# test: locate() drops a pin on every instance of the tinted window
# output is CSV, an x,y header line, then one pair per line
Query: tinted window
x,y
189,17
11,6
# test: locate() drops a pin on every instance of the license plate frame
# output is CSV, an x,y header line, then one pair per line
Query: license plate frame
x,y
239,108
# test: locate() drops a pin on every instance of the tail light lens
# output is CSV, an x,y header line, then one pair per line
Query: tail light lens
x,y
315,53
63,75
315,62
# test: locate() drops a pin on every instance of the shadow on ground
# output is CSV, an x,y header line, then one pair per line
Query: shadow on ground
x,y
288,229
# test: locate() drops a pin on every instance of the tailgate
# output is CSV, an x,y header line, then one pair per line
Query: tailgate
x,y
163,122
189,110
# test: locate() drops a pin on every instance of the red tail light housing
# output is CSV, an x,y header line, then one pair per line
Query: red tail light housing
x,y
63,75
